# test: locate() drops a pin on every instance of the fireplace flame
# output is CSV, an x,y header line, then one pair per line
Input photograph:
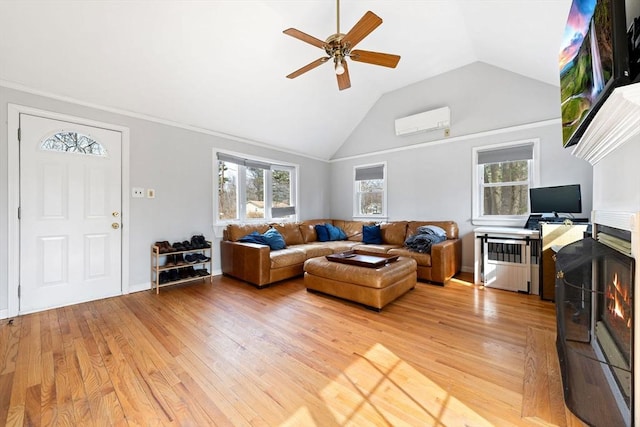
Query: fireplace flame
x,y
618,296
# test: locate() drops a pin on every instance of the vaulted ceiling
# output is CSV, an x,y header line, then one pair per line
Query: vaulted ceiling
x,y
221,65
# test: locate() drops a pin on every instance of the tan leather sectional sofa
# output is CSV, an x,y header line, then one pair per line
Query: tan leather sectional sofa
x,y
260,266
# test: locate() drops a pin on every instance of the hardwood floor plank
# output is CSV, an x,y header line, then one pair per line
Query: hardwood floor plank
x,y
71,395
229,354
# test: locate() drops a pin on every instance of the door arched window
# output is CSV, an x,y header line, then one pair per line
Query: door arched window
x,y
73,142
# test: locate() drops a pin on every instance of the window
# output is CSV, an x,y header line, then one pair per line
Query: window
x,y
503,175
370,191
252,189
73,142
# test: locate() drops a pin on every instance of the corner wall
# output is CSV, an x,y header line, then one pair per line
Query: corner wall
x,y
429,177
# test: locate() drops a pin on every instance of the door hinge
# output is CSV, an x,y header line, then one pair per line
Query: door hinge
x,y
19,212
19,135
19,289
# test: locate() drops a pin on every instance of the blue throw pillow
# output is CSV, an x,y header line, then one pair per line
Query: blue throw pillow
x,y
335,233
322,232
253,237
274,239
371,234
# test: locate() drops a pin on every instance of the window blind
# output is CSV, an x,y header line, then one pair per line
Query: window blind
x,y
242,161
508,154
285,211
370,172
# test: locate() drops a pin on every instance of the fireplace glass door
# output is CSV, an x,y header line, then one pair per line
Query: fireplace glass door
x,y
594,306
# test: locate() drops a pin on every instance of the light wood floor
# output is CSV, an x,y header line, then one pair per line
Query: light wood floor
x,y
229,354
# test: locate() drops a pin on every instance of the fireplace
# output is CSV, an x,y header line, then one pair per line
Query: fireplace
x,y
594,303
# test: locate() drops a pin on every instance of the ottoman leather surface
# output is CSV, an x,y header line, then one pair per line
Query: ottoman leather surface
x,y
373,287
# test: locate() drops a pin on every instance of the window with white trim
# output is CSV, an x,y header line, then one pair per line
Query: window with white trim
x,y
503,175
254,189
370,190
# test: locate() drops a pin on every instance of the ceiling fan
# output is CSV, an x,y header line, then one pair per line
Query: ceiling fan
x,y
339,47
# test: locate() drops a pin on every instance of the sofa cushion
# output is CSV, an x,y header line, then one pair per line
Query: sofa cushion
x,y
394,233
274,239
371,234
236,231
290,231
308,230
424,260
314,249
322,232
353,229
287,257
335,233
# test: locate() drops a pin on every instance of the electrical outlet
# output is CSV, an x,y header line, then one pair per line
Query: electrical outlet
x,y
137,192
151,193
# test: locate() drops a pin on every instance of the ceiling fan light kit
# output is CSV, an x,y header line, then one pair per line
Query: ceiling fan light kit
x,y
340,46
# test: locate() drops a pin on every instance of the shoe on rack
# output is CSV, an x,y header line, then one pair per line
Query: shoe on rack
x,y
179,259
191,258
177,246
164,277
187,245
203,272
174,275
164,247
171,261
200,241
201,258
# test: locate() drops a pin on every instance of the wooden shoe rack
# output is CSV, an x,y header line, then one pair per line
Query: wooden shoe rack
x,y
162,265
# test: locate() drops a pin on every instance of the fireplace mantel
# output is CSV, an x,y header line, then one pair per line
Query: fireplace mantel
x,y
616,122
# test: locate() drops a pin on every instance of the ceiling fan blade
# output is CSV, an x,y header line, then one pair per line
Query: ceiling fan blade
x,y
304,37
308,67
343,79
369,22
375,58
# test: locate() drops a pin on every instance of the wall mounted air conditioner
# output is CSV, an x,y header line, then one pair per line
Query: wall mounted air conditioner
x,y
429,120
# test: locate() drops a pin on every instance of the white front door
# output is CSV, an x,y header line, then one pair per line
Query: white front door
x,y
70,213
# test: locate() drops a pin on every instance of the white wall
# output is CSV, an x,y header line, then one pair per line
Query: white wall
x,y
432,181
616,179
178,164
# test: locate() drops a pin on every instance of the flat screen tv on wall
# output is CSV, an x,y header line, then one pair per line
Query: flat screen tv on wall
x,y
594,59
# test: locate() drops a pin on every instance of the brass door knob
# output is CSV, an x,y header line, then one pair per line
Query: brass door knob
x,y
115,225
115,214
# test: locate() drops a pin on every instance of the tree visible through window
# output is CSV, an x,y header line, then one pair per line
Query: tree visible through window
x,y
251,189
503,176
370,190
506,189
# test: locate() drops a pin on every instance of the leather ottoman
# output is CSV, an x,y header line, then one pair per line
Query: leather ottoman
x,y
373,287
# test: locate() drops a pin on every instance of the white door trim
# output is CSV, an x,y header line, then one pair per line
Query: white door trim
x,y
13,235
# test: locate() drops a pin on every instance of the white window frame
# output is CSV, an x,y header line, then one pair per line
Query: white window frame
x,y
477,191
356,210
268,190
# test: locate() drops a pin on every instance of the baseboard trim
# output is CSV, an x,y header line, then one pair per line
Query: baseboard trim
x,y
4,314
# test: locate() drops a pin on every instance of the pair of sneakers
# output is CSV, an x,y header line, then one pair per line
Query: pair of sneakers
x,y
196,258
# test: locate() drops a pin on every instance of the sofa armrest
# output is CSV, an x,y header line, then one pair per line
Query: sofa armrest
x,y
246,261
446,260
